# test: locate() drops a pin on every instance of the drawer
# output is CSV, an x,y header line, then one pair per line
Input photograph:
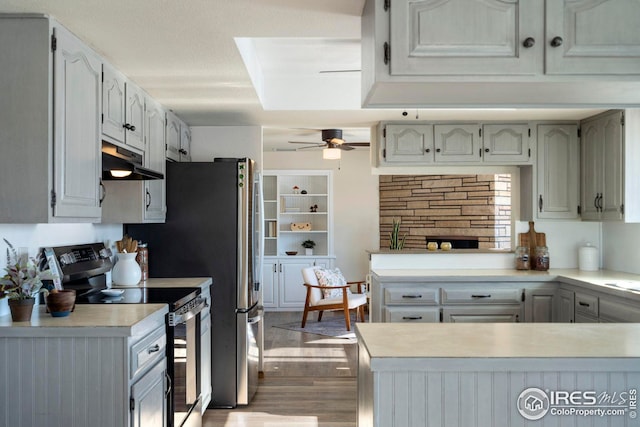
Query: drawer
x,y
613,311
482,296
586,304
411,314
412,296
147,350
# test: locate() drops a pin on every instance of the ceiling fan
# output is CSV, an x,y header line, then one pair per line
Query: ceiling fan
x,y
332,139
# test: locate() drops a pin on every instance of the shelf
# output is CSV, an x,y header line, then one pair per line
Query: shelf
x,y
304,195
302,231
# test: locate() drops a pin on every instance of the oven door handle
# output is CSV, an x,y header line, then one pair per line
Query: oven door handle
x,y
187,312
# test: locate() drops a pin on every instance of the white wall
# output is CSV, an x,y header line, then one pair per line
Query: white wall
x,y
620,248
208,142
35,236
355,202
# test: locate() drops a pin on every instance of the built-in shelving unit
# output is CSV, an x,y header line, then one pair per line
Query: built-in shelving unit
x,y
297,197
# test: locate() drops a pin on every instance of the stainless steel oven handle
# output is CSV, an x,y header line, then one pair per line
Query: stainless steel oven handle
x,y
188,311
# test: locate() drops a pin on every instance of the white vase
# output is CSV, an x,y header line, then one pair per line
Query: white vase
x,y
126,272
308,251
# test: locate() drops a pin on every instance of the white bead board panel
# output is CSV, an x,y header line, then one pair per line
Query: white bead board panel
x,y
63,382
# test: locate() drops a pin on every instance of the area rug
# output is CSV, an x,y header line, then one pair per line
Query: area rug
x,y
333,326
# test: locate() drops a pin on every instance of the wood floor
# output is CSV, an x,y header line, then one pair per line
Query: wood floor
x,y
309,381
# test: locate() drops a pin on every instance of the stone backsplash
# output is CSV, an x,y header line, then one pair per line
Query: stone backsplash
x,y
466,206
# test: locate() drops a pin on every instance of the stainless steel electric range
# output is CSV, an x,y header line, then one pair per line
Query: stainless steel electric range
x,y
84,267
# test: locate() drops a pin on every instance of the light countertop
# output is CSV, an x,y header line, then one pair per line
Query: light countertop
x,y
87,320
174,282
499,340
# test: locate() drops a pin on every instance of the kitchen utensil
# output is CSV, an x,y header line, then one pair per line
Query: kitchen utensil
x,y
588,258
532,239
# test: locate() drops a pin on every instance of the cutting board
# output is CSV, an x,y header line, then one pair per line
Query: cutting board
x,y
530,240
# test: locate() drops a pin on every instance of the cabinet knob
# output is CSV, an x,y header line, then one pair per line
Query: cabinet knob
x,y
529,42
437,150
556,41
428,150
129,127
486,150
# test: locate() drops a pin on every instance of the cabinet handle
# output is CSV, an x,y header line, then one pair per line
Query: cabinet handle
x,y
148,197
411,317
595,201
169,384
584,304
540,203
280,265
517,318
480,296
129,127
154,349
529,42
600,202
104,192
275,268
411,296
556,41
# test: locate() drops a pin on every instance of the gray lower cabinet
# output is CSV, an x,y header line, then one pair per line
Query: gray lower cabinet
x,y
539,303
564,307
483,314
148,401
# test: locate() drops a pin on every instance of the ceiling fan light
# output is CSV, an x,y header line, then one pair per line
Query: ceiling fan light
x,y
331,153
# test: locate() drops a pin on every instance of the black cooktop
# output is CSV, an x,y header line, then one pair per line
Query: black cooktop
x,y
175,297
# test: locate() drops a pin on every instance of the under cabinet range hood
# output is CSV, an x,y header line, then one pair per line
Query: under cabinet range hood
x,y
120,164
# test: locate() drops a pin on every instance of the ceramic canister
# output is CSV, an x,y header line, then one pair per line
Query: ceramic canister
x,y
588,258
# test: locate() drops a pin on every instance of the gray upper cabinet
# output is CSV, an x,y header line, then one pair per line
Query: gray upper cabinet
x,y
457,143
603,167
502,53
506,143
122,109
593,37
462,37
155,205
49,126
558,172
409,144
185,142
173,137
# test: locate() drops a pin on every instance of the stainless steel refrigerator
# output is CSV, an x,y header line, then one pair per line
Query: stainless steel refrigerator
x,y
212,229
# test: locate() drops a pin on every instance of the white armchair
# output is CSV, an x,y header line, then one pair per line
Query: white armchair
x,y
316,301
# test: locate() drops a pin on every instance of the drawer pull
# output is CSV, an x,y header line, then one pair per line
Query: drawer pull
x,y
584,304
411,317
411,296
153,349
480,296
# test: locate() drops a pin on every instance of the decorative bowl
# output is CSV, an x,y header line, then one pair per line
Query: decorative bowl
x,y
291,252
61,303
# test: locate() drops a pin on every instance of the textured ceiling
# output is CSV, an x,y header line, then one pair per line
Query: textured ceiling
x,y
185,54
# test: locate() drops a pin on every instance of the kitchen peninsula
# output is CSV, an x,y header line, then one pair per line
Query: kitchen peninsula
x,y
496,374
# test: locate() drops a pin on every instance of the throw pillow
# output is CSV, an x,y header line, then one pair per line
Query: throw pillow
x,y
332,278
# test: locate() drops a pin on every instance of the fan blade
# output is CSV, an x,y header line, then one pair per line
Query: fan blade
x,y
317,144
344,147
358,144
311,146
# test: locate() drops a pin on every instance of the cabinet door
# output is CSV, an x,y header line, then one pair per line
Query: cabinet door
x,y
155,189
508,143
592,37
462,37
409,144
613,162
78,102
113,103
592,169
538,306
134,111
292,292
457,143
185,143
558,171
488,314
173,137
565,306
148,402
270,284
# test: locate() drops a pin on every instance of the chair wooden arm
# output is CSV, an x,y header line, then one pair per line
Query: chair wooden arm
x,y
326,287
359,283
